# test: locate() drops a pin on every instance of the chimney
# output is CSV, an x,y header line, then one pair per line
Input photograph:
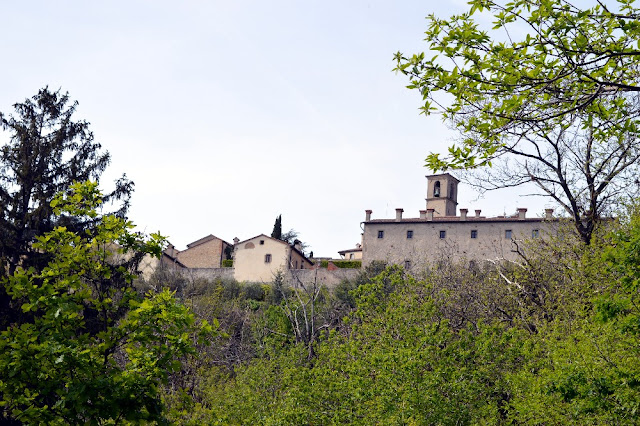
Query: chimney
x,y
548,213
235,240
430,214
297,244
478,213
463,214
368,217
423,214
399,214
522,213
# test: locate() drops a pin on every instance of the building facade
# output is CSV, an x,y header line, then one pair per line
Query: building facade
x,y
207,252
258,259
352,254
439,234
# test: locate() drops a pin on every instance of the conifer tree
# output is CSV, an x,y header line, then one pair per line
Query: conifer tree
x,y
47,151
277,228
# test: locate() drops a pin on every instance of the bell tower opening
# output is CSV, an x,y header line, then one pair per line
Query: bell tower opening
x,y
442,194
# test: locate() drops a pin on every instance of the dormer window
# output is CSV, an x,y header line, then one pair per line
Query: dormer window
x,y
436,189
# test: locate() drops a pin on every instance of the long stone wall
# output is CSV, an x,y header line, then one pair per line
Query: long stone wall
x,y
324,276
292,277
209,273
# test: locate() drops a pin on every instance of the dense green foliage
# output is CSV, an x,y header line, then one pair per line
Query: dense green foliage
x,y
91,350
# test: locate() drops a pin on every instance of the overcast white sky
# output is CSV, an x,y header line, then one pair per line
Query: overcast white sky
x,y
228,113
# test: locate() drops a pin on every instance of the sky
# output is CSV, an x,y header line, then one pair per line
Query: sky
x,y
226,114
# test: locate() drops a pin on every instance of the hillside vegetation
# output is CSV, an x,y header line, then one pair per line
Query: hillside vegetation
x,y
552,339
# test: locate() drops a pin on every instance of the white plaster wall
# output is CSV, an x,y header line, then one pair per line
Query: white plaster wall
x,y
249,263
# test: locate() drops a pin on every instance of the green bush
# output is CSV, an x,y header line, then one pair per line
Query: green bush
x,y
227,263
254,291
348,264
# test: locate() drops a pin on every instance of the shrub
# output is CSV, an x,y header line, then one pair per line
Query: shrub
x,y
348,264
254,291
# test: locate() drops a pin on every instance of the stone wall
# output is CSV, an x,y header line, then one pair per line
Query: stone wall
x,y
324,276
292,277
209,273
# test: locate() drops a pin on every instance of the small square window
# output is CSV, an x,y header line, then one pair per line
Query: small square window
x,y
267,258
380,234
507,234
535,233
261,242
443,235
409,234
474,233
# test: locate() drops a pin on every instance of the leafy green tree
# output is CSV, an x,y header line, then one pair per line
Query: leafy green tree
x,y
277,228
46,153
549,95
93,350
583,367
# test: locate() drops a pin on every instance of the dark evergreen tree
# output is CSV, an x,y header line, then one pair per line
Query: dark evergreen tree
x,y
277,228
47,151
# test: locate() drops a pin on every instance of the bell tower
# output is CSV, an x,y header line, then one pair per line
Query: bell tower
x,y
442,194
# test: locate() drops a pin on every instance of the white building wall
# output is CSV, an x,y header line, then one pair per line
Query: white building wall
x,y
249,259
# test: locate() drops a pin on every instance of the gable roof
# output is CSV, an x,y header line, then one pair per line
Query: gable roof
x,y
172,259
206,239
262,235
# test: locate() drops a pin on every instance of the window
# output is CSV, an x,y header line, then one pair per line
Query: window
x,y
409,234
267,258
474,233
380,234
507,234
436,189
443,235
351,256
296,265
535,233
261,242
407,264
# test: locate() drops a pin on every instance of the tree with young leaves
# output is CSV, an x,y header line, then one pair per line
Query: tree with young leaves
x,y
93,350
549,94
